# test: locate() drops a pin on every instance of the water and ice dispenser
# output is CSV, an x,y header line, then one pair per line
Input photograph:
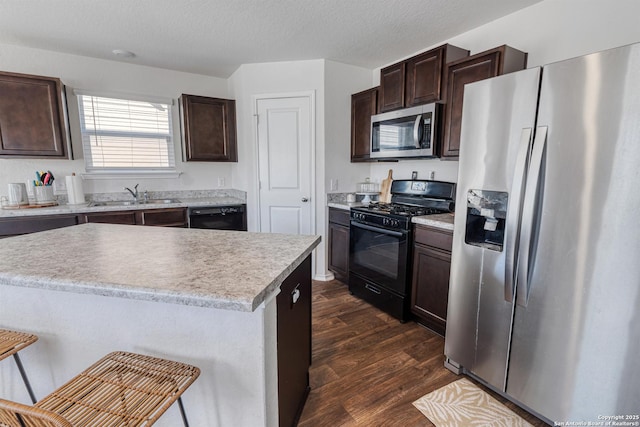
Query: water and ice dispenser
x,y
486,215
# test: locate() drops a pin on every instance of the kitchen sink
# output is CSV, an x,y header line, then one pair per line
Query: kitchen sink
x,y
159,201
134,203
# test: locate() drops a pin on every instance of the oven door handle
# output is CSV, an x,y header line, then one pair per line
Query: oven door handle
x,y
377,230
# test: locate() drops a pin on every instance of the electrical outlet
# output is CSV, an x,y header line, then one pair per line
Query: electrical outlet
x,y
59,186
221,181
333,185
432,175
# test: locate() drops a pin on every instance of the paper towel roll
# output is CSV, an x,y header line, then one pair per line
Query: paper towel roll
x,y
75,191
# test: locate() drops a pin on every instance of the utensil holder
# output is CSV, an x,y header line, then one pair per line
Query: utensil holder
x,y
43,194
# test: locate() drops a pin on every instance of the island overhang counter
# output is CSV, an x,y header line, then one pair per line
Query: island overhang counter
x,y
205,297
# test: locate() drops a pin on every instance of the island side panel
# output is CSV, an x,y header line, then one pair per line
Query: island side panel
x,y
294,343
235,350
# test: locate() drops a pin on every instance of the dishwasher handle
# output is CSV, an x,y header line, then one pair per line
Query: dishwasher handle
x,y
218,210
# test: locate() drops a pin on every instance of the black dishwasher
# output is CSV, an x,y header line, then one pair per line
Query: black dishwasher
x,y
232,217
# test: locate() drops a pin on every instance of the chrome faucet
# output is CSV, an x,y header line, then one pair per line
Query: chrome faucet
x,y
133,192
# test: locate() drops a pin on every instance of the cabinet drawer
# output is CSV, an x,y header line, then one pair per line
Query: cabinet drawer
x,y
165,217
25,225
112,217
441,239
339,216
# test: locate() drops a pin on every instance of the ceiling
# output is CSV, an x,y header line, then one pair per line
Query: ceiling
x,y
214,37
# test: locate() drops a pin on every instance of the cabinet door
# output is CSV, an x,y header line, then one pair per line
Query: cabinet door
x,y
339,251
173,217
392,82
112,217
208,129
33,224
484,65
430,286
473,69
363,106
423,77
294,343
32,117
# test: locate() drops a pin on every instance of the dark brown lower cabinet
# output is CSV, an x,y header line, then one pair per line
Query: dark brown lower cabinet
x,y
111,217
170,217
339,244
430,284
32,224
294,343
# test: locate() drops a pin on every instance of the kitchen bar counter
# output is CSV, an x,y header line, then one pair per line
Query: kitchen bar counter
x,y
206,297
205,268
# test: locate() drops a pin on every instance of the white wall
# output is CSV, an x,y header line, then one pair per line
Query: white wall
x,y
341,81
276,78
78,72
548,31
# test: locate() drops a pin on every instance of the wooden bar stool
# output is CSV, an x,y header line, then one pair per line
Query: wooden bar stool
x,y
11,342
121,389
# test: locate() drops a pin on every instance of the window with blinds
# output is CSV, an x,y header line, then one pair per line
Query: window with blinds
x,y
125,134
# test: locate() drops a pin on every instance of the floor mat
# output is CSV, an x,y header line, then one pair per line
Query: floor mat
x,y
462,404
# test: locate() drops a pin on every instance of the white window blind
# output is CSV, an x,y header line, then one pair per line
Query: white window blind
x,y
125,135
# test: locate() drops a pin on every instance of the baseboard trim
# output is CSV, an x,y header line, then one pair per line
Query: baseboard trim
x,y
324,277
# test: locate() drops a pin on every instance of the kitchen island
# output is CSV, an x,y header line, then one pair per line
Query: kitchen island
x,y
204,297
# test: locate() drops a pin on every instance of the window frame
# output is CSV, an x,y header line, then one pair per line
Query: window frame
x,y
127,172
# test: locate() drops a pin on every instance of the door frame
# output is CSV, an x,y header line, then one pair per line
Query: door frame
x,y
311,96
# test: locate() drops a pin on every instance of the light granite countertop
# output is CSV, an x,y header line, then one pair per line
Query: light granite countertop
x,y
207,268
443,221
345,206
85,208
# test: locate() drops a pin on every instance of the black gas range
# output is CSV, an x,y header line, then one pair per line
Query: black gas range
x,y
381,241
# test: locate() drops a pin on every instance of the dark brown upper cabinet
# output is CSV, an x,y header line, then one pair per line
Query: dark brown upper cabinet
x,y
392,91
484,65
208,129
363,105
417,80
33,117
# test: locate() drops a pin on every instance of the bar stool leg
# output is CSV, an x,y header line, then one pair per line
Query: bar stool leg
x,y
23,374
184,415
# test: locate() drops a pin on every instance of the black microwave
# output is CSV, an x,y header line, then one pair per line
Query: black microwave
x,y
410,132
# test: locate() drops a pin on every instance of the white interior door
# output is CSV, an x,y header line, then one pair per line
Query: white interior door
x,y
285,164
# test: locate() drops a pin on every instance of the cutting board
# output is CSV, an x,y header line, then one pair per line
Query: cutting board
x,y
385,188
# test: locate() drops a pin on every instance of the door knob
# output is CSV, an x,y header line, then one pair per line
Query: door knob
x,y
305,200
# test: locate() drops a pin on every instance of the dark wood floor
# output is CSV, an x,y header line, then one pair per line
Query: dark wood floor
x,y
368,367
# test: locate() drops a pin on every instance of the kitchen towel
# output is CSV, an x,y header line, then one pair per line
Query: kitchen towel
x,y
463,404
75,190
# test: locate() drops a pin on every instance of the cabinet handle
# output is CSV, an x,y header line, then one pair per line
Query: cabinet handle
x,y
295,295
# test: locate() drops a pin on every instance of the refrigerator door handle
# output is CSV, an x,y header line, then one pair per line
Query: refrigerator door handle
x,y
529,209
513,214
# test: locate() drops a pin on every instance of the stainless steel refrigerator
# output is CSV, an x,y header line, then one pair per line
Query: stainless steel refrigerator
x,y
544,301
